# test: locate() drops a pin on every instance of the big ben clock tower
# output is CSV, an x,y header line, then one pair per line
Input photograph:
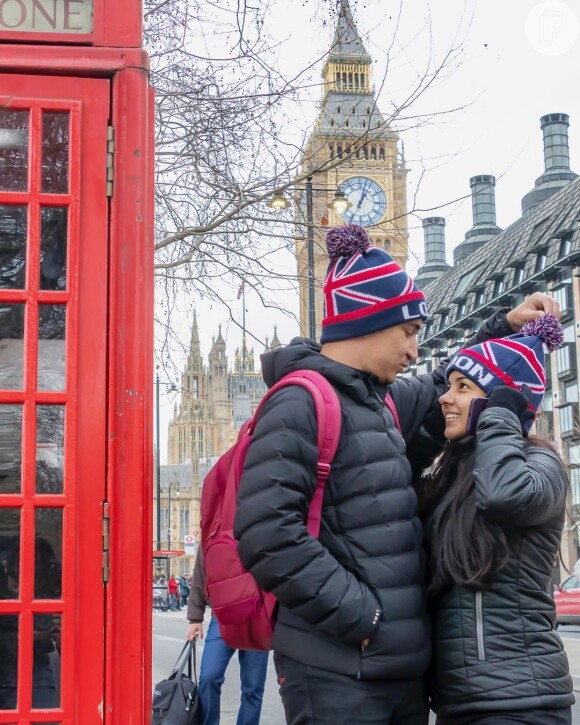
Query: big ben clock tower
x,y
353,149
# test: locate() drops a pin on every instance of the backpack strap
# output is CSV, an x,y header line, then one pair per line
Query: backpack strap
x,y
390,403
329,421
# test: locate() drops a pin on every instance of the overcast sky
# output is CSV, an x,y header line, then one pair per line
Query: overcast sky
x,y
519,60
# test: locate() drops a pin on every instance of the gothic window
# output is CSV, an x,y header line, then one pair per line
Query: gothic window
x,y
338,79
339,151
365,152
332,121
353,110
331,150
362,80
338,109
350,82
200,443
347,150
374,153
347,123
382,153
344,80
364,124
357,154
368,110
194,386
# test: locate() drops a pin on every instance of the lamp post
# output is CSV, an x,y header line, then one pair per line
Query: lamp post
x,y
178,491
339,204
157,462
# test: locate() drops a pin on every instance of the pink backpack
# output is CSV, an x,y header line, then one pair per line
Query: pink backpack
x,y
245,612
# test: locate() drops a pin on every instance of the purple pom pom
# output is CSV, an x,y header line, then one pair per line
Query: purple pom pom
x,y
346,240
548,329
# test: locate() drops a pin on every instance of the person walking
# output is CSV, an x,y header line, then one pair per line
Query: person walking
x,y
494,511
216,658
351,641
172,589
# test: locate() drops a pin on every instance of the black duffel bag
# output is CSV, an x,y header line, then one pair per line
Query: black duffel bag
x,y
176,699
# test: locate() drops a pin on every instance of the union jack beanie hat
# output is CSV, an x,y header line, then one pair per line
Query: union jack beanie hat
x,y
365,289
514,361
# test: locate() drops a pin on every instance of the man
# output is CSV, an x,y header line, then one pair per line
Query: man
x,y
172,585
216,657
351,642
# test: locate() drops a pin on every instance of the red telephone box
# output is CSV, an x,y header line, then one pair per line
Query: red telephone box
x,y
76,317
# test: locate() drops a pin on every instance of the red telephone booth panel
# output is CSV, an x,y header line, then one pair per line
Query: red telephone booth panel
x,y
53,415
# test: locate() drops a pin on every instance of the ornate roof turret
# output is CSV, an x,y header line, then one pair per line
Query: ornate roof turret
x,y
275,341
347,41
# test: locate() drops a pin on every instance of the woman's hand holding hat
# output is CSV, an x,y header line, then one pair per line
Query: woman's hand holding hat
x,y
531,308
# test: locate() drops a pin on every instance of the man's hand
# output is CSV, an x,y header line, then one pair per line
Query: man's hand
x,y
195,631
531,308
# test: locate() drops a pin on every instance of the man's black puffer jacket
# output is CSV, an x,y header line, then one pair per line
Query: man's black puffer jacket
x,y
364,576
495,650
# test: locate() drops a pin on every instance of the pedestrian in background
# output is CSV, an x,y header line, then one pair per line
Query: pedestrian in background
x,y
351,640
494,510
216,658
183,590
172,587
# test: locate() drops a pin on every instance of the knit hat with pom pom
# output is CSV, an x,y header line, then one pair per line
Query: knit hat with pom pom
x,y
514,361
365,289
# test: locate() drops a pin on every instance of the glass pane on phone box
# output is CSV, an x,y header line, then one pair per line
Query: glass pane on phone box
x,y
51,347
10,448
8,660
9,553
53,247
13,150
13,234
46,661
48,553
49,448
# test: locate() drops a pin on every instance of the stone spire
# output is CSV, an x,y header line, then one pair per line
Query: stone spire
x,y
347,41
275,341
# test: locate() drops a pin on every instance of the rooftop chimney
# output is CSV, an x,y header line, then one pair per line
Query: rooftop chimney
x,y
557,171
484,227
435,264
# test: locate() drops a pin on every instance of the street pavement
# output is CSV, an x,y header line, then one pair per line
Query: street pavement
x,y
169,635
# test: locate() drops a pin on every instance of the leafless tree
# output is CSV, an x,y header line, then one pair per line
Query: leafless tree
x,y
222,115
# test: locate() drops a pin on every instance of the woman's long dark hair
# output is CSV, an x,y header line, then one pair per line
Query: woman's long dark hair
x,y
466,547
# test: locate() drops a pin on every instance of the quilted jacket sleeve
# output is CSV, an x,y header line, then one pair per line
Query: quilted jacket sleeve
x,y
515,484
277,486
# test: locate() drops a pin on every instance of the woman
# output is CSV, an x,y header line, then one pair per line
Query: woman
x,y
494,512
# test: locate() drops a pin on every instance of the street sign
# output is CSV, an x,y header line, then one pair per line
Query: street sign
x,y
189,543
165,553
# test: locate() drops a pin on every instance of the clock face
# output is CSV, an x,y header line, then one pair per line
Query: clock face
x,y
368,200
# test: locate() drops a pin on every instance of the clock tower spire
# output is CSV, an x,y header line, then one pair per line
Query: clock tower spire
x,y
352,136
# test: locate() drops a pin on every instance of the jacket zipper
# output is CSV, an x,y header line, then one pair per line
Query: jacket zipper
x,y
479,625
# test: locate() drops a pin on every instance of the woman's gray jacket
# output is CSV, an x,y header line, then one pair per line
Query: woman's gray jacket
x,y
496,649
364,577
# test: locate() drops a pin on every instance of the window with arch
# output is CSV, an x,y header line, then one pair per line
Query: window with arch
x,y
374,153
338,79
331,150
368,110
350,82
365,152
362,80
353,110
364,124
338,109
344,80
347,123
332,121
382,153
339,151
